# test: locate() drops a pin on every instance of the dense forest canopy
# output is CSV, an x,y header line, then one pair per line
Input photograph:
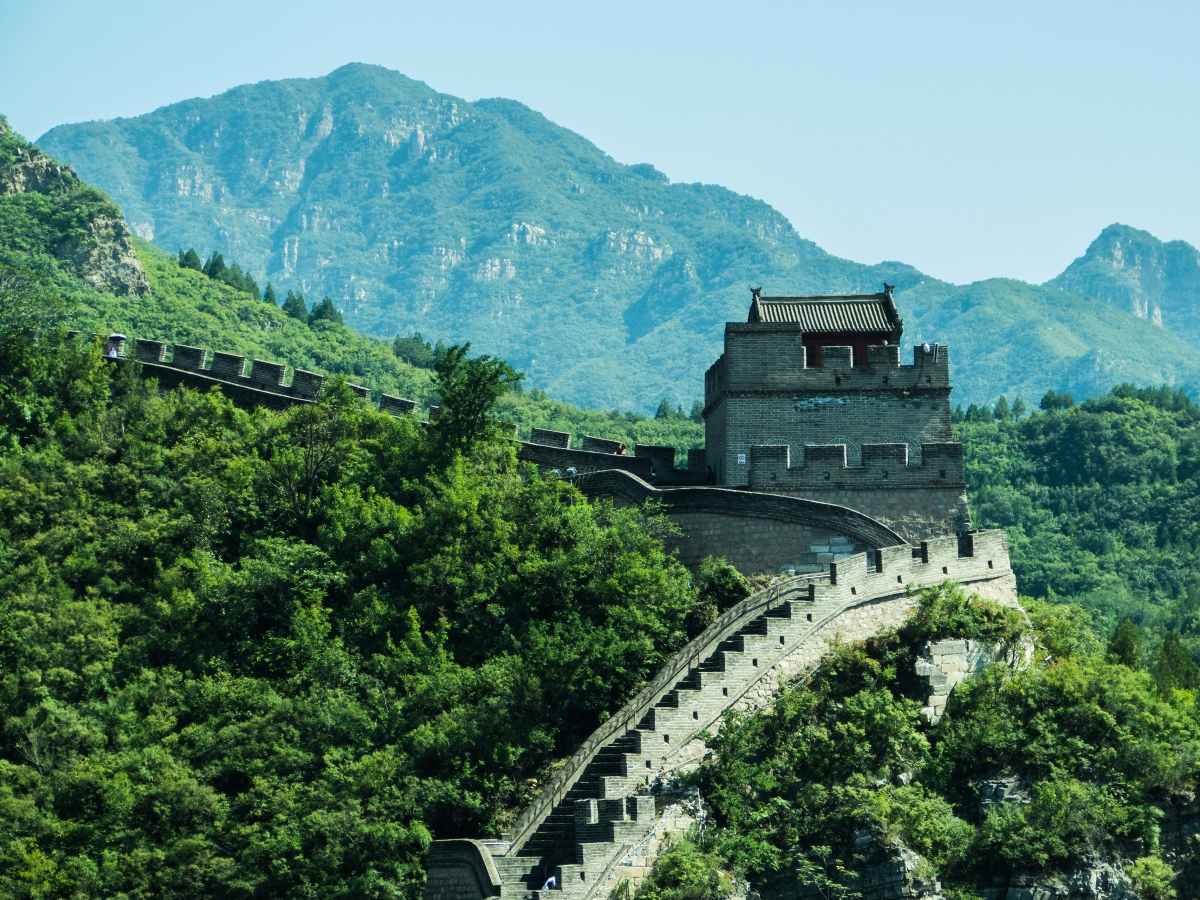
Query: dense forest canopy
x,y
1101,501
262,654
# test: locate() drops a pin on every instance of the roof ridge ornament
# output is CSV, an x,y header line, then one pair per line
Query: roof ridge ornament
x,y
755,305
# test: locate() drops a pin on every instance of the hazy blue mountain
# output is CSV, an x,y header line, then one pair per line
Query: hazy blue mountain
x,y
1135,271
486,222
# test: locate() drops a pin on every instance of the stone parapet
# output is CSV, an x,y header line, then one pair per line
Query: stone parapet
x,y
772,359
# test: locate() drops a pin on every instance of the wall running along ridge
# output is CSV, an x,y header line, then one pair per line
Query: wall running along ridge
x,y
588,828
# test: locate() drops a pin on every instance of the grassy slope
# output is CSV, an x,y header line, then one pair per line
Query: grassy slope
x,y
189,308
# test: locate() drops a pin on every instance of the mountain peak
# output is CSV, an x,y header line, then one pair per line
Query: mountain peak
x,y
1133,270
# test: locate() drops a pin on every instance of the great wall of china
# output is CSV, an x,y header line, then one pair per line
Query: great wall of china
x,y
850,524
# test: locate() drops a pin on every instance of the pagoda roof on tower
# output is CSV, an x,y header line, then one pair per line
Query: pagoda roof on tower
x,y
840,314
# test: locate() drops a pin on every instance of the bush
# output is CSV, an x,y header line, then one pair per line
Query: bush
x,y
1152,878
685,872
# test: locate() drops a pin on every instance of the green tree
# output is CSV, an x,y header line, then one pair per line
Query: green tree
x,y
1001,412
685,872
469,388
1152,878
414,350
697,413
1175,667
294,306
29,305
215,267
720,584
324,311
664,410
1018,409
269,295
1125,645
1052,401
190,260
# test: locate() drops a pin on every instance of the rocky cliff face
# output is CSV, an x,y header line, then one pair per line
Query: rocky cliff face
x,y
97,246
1133,270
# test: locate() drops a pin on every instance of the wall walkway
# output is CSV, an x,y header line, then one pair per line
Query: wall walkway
x,y
586,822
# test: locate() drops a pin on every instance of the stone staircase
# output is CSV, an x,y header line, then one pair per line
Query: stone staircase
x,y
598,806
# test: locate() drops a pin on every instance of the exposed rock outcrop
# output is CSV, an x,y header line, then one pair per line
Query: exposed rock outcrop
x,y
105,259
100,251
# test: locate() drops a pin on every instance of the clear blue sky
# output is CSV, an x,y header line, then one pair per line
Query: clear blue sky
x,y
971,140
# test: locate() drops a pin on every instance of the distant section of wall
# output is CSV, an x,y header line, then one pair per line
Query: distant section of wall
x,y
548,458
246,383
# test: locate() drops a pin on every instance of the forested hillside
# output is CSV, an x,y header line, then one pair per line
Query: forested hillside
x,y
484,222
272,655
275,654
1101,501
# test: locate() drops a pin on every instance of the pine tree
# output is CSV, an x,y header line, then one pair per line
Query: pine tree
x,y
190,260
1176,668
294,306
325,311
697,415
1001,412
249,285
269,295
1018,409
1125,645
215,267
664,410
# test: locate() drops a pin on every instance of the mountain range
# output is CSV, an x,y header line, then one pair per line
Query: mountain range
x,y
607,284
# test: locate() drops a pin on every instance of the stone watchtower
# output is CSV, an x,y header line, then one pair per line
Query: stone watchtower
x,y
810,399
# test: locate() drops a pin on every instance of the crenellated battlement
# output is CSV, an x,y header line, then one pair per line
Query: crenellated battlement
x,y
883,465
552,452
255,382
767,361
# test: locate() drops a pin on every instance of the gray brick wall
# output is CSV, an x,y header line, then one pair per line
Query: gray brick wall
x,y
762,393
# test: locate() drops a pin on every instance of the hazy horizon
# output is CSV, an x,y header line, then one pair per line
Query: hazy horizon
x,y
968,143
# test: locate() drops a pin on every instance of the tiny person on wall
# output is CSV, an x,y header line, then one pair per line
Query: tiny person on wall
x,y
621,451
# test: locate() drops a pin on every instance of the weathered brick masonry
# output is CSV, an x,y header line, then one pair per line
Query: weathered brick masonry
x,y
871,434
